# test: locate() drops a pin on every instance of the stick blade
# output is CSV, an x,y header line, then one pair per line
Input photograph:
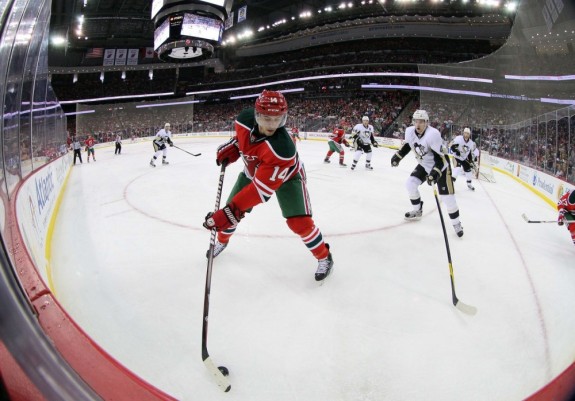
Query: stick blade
x,y
222,381
467,309
525,217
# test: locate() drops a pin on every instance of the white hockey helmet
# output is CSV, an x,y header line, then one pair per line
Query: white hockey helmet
x,y
466,131
421,115
365,119
167,125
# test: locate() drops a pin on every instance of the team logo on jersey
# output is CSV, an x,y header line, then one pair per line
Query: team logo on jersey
x,y
419,150
248,158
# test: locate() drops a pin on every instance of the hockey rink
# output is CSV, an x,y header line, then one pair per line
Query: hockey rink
x,y
129,265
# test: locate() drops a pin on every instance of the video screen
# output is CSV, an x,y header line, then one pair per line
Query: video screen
x,y
214,2
162,33
202,27
156,6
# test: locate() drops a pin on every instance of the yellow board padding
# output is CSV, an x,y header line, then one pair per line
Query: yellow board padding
x,y
50,233
529,187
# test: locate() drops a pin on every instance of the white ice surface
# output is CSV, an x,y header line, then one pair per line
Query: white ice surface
x,y
129,266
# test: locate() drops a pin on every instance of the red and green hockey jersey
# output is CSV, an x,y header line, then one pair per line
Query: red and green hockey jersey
x,y
567,204
269,161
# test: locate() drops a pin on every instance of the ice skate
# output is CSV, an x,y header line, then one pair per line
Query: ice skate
x,y
368,167
342,164
326,161
458,229
324,267
165,162
471,187
414,215
152,163
218,248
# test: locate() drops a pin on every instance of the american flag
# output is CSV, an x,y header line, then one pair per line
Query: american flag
x,y
95,52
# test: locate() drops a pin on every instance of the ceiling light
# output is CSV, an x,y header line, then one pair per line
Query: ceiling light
x,y
58,40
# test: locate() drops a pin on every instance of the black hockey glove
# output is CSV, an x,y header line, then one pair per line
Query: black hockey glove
x,y
170,142
395,159
433,176
375,144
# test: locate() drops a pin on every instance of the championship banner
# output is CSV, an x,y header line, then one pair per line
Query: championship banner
x,y
242,14
121,56
109,55
133,56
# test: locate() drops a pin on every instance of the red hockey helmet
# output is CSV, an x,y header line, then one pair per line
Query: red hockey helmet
x,y
271,103
271,110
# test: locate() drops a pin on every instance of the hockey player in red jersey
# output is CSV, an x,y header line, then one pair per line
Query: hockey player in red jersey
x,y
295,134
272,165
90,142
566,208
336,139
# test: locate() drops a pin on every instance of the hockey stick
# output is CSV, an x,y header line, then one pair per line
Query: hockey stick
x,y
475,167
468,309
193,154
544,221
219,373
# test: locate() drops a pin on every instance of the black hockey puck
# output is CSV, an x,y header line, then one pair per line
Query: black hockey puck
x,y
224,370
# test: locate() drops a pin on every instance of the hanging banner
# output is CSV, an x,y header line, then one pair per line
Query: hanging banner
x,y
242,14
229,21
133,56
121,56
109,55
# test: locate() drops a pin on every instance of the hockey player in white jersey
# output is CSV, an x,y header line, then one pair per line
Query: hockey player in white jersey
x,y
432,166
465,153
362,136
163,137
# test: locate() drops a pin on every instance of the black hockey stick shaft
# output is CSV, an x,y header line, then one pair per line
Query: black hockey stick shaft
x,y
544,221
222,380
471,310
183,150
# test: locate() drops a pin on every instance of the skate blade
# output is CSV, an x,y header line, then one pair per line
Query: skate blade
x,y
320,283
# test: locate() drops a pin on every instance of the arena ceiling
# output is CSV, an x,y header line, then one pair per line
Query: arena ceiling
x,y
127,23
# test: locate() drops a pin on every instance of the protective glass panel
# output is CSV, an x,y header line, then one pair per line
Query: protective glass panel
x,y
516,100
137,119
